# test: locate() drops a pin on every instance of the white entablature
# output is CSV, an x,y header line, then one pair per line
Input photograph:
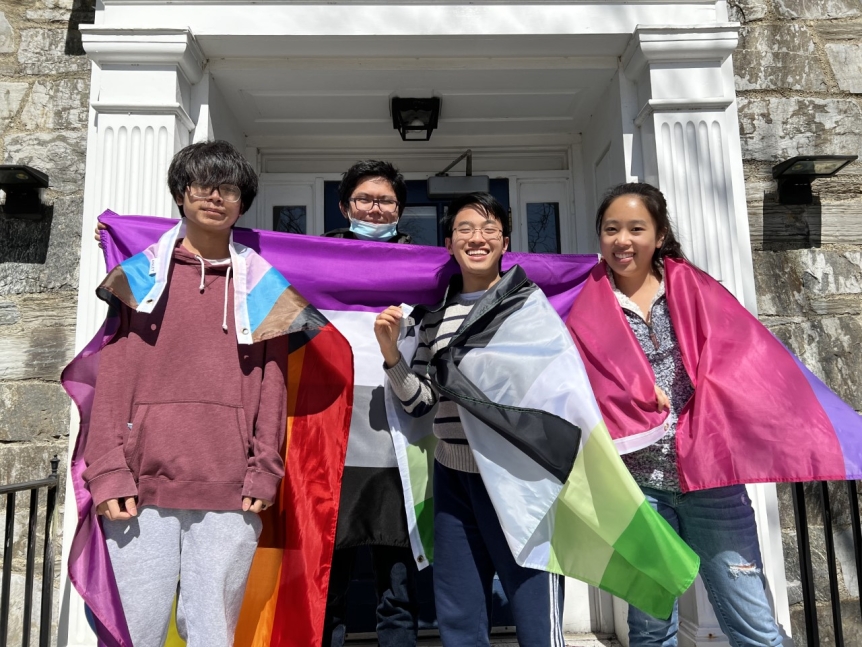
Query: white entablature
x,y
393,19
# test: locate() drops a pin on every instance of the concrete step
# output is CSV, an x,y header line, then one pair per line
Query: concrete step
x,y
499,640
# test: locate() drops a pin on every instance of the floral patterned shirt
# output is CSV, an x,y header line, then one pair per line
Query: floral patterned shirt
x,y
656,466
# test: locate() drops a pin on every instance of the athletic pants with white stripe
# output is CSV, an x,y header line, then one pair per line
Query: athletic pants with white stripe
x,y
469,547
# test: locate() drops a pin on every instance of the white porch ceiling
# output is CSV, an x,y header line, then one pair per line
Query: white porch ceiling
x,y
314,77
327,93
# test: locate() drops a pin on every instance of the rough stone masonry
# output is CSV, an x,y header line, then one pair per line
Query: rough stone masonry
x,y
799,83
44,93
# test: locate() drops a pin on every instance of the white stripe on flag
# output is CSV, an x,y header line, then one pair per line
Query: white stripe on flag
x,y
406,431
520,489
530,362
358,328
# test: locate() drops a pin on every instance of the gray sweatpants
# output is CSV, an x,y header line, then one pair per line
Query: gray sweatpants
x,y
208,553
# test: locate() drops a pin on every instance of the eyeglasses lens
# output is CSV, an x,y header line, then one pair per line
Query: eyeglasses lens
x,y
488,233
367,204
228,192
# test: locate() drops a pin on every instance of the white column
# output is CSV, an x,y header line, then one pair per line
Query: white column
x,y
689,139
140,99
685,93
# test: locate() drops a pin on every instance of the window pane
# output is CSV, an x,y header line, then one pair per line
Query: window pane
x,y
543,227
421,224
290,220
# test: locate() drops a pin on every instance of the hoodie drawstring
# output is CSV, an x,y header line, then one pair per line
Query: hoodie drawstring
x,y
226,283
202,286
226,288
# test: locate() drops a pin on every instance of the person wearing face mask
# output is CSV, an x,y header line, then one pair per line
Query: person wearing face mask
x,y
372,195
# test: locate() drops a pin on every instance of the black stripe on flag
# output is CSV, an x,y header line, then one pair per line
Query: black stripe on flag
x,y
371,511
544,437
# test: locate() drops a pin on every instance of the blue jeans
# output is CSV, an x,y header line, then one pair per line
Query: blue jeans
x,y
719,526
469,546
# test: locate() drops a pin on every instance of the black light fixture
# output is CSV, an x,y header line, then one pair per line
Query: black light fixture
x,y
796,174
415,119
22,185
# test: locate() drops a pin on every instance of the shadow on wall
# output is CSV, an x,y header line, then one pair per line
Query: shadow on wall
x,y
790,226
26,241
83,12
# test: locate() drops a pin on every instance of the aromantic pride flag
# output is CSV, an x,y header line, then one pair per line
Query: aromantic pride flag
x,y
565,501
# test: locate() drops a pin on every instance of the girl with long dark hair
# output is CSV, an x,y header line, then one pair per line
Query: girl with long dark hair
x,y
638,247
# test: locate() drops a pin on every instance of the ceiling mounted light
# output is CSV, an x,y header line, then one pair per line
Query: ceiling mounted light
x,y
22,186
415,119
796,174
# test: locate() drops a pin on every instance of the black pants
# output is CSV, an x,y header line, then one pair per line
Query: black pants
x,y
397,606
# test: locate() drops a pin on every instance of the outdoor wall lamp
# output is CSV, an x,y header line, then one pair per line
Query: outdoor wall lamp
x,y
415,119
796,174
22,186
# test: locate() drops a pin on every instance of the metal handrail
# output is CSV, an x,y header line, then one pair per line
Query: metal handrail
x,y
809,601
50,483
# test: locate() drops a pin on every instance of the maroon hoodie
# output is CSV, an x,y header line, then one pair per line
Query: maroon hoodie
x,y
183,416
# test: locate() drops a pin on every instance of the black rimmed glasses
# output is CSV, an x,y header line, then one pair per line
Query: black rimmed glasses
x,y
364,203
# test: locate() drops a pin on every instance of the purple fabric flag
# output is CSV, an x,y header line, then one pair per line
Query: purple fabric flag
x,y
334,275
338,274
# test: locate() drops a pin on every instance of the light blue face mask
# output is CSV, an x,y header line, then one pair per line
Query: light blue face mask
x,y
372,230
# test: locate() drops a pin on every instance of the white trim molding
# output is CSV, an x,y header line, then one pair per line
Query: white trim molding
x,y
671,44
175,109
129,46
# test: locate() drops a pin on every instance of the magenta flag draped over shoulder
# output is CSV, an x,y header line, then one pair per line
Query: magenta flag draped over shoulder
x,y
757,415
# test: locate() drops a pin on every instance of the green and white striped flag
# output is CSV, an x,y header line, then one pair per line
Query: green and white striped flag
x,y
565,501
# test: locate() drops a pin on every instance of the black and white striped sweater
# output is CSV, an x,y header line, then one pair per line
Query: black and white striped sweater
x,y
413,388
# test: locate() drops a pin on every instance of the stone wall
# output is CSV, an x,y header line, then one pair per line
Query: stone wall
x,y
44,92
799,83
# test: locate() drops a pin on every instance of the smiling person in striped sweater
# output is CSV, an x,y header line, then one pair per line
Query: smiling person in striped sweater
x,y
469,543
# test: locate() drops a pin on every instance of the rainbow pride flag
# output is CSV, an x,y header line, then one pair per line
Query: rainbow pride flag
x,y
286,597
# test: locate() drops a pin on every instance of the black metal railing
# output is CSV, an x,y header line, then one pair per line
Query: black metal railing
x,y
806,571
50,484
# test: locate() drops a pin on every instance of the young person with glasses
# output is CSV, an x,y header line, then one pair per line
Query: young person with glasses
x,y
188,419
372,196
469,543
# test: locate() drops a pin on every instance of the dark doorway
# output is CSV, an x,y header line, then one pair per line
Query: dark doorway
x,y
422,215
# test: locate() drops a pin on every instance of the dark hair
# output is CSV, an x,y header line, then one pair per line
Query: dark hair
x,y
367,169
484,202
211,164
654,201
